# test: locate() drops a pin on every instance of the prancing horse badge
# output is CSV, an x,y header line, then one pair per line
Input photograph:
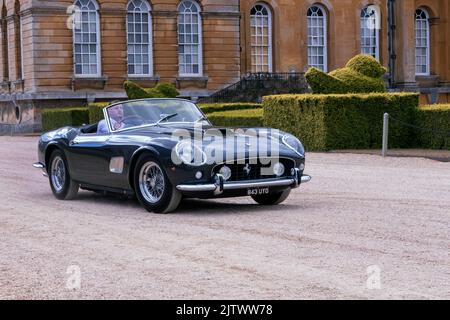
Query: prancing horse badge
x,y
247,169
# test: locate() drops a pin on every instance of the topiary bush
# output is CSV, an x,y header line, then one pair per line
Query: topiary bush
x,y
57,118
435,121
134,91
162,90
167,90
362,74
343,121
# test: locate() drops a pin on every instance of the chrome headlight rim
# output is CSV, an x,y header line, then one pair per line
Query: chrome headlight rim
x,y
182,144
300,152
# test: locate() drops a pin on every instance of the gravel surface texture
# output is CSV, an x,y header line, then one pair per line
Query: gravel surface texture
x,y
361,217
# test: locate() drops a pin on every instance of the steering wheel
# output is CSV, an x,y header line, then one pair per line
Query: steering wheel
x,y
133,120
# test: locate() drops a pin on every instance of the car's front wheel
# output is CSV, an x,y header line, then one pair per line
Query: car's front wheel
x,y
63,187
153,189
272,198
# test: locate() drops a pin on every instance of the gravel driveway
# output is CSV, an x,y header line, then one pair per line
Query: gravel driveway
x,y
365,227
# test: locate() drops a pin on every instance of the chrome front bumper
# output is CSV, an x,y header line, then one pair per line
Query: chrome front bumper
x,y
40,165
219,186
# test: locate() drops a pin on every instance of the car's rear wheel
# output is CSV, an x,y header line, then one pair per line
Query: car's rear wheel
x,y
272,198
153,189
62,185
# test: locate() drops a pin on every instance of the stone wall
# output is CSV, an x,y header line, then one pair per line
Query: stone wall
x,y
48,54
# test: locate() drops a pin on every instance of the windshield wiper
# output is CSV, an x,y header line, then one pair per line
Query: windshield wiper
x,y
168,117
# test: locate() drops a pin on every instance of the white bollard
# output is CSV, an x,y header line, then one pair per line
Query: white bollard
x,y
385,134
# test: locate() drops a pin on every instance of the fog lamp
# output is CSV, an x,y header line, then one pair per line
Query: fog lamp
x,y
278,169
225,172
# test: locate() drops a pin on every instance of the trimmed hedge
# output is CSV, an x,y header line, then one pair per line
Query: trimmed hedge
x,y
347,121
167,90
96,111
218,107
162,90
366,65
57,118
435,121
362,74
237,118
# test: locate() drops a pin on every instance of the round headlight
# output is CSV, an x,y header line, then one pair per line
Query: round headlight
x,y
294,144
190,154
225,172
278,169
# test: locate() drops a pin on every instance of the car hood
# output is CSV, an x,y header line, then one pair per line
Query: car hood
x,y
239,140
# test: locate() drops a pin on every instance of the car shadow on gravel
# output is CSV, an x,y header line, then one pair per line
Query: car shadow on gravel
x,y
202,207
198,207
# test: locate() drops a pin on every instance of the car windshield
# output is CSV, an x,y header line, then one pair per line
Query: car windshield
x,y
152,112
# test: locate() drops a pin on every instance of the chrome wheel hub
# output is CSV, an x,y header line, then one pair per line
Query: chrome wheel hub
x,y
151,182
58,173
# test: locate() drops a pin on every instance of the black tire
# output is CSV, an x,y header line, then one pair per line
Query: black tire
x,y
272,198
62,185
157,194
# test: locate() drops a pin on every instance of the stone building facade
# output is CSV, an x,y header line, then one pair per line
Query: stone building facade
x,y
68,52
295,36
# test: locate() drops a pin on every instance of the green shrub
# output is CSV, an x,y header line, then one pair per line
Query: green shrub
x,y
134,91
237,118
167,90
342,121
435,121
152,93
366,65
162,90
57,118
362,74
218,107
96,111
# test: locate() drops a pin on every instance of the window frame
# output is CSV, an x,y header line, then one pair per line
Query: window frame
x,y
150,43
98,43
428,43
377,31
22,65
200,41
325,36
269,40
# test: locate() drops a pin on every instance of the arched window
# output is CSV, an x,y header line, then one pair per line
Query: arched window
x,y
86,39
189,39
370,32
317,38
5,54
261,38
18,40
139,35
422,34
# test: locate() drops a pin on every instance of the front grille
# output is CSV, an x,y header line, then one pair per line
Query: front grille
x,y
253,171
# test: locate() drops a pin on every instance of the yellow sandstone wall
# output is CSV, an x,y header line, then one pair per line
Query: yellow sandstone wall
x,y
48,55
48,51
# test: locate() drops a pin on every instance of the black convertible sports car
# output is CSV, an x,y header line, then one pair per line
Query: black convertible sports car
x,y
162,150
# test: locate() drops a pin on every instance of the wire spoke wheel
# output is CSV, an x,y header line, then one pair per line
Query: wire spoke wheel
x,y
151,182
58,173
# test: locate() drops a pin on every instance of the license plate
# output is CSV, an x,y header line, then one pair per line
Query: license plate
x,y
258,191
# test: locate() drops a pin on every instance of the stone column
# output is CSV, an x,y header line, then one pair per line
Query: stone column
x,y
405,42
4,72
